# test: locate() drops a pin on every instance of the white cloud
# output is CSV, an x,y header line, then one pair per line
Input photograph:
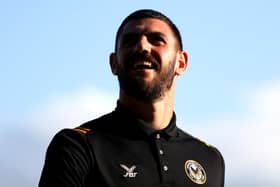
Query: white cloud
x,y
71,110
250,144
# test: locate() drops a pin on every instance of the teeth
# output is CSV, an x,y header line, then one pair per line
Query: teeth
x,y
147,63
144,63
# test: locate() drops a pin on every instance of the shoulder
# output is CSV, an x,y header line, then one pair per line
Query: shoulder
x,y
192,138
97,124
200,145
79,134
67,139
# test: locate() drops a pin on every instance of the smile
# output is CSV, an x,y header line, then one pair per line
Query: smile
x,y
144,65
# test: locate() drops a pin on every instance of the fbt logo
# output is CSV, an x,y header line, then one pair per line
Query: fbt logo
x,y
129,171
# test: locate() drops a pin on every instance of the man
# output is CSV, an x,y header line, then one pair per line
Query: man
x,y
138,144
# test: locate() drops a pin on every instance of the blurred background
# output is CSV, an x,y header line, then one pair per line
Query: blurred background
x,y
55,74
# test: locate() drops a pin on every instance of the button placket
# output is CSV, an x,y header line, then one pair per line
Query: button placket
x,y
158,136
163,163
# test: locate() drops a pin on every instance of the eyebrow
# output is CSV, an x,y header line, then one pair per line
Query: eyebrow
x,y
157,33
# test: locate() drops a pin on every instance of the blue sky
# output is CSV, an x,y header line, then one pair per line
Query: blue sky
x,y
55,74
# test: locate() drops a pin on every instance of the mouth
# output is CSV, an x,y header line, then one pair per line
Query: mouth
x,y
142,65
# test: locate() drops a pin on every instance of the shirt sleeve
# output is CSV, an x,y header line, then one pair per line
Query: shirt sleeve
x,y
68,160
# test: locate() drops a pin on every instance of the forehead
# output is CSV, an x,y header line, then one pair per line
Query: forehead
x,y
147,25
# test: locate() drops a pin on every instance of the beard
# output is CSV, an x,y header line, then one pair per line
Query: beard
x,y
142,90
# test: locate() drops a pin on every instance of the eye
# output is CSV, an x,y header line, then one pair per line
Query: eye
x,y
156,39
129,39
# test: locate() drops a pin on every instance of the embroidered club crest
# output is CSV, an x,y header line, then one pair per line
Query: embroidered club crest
x,y
195,172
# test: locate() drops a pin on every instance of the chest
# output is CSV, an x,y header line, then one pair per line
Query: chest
x,y
155,161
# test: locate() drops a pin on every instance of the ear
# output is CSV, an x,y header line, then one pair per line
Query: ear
x,y
113,63
182,62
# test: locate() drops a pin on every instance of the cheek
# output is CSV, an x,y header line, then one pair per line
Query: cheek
x,y
168,57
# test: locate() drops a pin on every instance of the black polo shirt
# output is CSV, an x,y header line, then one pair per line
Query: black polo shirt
x,y
119,150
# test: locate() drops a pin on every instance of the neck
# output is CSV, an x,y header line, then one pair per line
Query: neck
x,y
157,113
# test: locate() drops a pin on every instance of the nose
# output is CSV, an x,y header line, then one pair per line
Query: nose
x,y
143,44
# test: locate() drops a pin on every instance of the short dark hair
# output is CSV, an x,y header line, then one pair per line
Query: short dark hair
x,y
149,13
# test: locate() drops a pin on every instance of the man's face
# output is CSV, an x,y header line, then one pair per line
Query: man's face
x,y
145,58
